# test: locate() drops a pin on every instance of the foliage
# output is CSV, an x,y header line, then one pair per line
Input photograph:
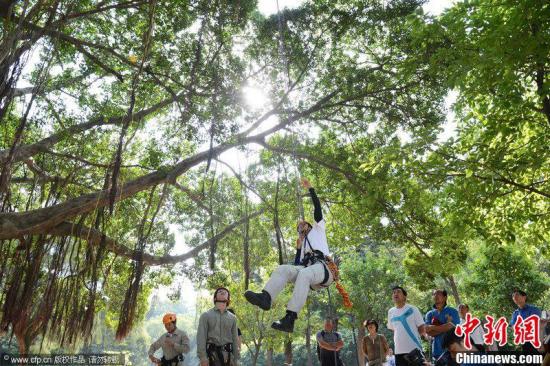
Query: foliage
x,y
139,128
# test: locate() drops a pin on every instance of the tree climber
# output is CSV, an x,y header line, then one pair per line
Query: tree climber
x,y
310,269
174,344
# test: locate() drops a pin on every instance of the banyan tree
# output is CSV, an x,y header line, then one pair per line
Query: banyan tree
x,y
112,116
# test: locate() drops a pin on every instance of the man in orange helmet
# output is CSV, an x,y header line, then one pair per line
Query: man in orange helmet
x,y
174,344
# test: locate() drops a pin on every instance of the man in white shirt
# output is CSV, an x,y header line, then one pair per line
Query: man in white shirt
x,y
407,325
309,269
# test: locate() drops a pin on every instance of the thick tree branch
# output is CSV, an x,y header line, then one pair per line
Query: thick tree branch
x,y
303,155
17,224
100,9
25,151
501,179
94,237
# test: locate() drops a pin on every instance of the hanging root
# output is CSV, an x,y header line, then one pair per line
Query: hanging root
x,y
128,311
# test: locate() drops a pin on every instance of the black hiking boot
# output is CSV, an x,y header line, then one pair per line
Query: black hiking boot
x,y
286,324
262,299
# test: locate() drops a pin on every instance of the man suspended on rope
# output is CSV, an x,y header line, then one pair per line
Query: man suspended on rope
x,y
174,344
217,338
312,268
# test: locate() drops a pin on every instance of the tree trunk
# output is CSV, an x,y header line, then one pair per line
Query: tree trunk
x,y
454,289
269,356
288,351
309,361
255,356
360,355
24,341
257,349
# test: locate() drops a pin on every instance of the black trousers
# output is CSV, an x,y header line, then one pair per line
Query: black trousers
x,y
400,360
215,361
215,356
529,349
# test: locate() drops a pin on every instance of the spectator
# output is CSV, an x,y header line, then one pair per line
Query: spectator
x,y
477,335
525,310
439,320
451,345
407,325
329,344
375,345
390,359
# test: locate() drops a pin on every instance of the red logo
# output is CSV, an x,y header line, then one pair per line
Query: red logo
x,y
470,323
495,331
527,330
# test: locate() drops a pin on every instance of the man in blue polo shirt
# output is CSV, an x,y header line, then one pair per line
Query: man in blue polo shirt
x,y
440,320
525,310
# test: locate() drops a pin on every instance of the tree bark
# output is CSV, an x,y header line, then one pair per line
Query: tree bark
x,y
22,343
288,351
269,356
360,335
454,289
93,236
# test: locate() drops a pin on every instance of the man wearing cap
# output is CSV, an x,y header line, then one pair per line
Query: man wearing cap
x,y
173,343
525,310
440,320
217,337
308,272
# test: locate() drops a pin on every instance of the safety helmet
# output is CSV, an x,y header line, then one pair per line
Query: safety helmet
x,y
169,318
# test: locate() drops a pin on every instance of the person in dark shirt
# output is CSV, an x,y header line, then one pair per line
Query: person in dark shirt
x,y
440,319
525,310
329,344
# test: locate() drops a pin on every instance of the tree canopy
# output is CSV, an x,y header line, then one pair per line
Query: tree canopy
x,y
121,121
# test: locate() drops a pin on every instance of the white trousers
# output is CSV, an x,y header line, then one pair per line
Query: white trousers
x,y
302,277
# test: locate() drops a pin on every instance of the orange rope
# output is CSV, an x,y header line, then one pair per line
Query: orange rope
x,y
333,268
345,296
